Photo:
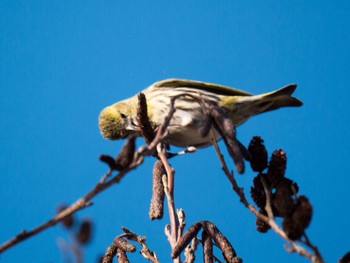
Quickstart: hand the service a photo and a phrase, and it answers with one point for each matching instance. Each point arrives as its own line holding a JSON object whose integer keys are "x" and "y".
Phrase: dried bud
{"x": 84, "y": 234}
{"x": 126, "y": 155}
{"x": 257, "y": 192}
{"x": 258, "y": 154}
{"x": 277, "y": 166}
{"x": 181, "y": 215}
{"x": 68, "y": 221}
{"x": 282, "y": 199}
{"x": 157, "y": 201}
{"x": 345, "y": 258}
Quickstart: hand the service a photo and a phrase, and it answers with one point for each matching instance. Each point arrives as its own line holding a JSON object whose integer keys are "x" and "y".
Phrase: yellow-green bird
{"x": 119, "y": 120}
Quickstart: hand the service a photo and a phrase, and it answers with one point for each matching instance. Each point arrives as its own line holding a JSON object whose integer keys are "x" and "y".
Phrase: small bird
{"x": 120, "y": 119}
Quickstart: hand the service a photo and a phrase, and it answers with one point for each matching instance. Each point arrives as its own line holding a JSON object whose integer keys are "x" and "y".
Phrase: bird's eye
{"x": 123, "y": 115}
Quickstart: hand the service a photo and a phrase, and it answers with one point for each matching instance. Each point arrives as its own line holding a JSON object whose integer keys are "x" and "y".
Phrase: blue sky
{"x": 61, "y": 62}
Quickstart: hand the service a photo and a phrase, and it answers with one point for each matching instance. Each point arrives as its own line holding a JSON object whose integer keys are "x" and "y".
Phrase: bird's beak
{"x": 132, "y": 127}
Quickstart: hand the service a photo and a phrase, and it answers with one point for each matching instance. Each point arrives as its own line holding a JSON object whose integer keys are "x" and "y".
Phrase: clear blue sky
{"x": 61, "y": 62}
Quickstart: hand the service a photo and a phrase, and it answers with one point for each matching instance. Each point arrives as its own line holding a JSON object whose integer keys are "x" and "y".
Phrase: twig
{"x": 295, "y": 247}
{"x": 103, "y": 184}
{"x": 171, "y": 230}
{"x": 169, "y": 191}
{"x": 84, "y": 201}
{"x": 78, "y": 205}
{"x": 121, "y": 245}
{"x": 145, "y": 251}
{"x": 190, "y": 249}
{"x": 239, "y": 190}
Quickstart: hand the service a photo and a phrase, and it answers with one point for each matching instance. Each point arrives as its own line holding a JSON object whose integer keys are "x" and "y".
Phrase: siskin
{"x": 119, "y": 120}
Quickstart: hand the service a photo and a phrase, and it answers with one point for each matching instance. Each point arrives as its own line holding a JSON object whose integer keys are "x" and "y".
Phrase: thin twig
{"x": 295, "y": 247}
{"x": 145, "y": 251}
{"x": 84, "y": 201}
{"x": 239, "y": 190}
{"x": 190, "y": 251}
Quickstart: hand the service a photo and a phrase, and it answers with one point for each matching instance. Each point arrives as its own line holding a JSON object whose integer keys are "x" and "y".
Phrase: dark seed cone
{"x": 303, "y": 211}
{"x": 292, "y": 230}
{"x": 257, "y": 192}
{"x": 258, "y": 154}
{"x": 84, "y": 234}
{"x": 277, "y": 166}
{"x": 261, "y": 225}
{"x": 282, "y": 199}
{"x": 295, "y": 224}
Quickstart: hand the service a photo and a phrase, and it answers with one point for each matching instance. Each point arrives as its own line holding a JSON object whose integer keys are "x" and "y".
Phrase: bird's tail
{"x": 279, "y": 98}
{"x": 243, "y": 107}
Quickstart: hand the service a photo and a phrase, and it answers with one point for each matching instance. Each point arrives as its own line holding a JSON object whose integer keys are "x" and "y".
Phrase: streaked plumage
{"x": 119, "y": 120}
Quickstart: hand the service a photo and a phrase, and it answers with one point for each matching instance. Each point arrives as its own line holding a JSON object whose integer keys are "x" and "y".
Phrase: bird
{"x": 119, "y": 120}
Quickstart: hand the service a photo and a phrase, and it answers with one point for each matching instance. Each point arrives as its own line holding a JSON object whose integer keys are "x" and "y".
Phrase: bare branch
{"x": 84, "y": 201}
{"x": 280, "y": 166}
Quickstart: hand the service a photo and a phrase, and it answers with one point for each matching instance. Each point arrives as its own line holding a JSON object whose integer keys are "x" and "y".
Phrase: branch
{"x": 102, "y": 185}
{"x": 121, "y": 245}
{"x": 239, "y": 190}
{"x": 269, "y": 219}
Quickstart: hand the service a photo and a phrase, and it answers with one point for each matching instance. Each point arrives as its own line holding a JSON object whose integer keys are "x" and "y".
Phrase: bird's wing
{"x": 199, "y": 85}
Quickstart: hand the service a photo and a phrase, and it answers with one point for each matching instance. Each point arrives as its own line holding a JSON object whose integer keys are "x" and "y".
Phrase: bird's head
{"x": 115, "y": 121}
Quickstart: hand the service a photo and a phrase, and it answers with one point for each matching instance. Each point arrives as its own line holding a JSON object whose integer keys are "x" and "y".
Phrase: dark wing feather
{"x": 193, "y": 84}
